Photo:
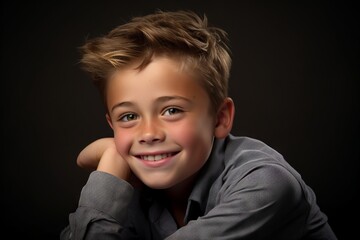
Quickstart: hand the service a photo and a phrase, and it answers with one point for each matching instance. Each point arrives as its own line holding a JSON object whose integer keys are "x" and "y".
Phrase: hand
{"x": 90, "y": 156}
{"x": 111, "y": 162}
{"x": 103, "y": 156}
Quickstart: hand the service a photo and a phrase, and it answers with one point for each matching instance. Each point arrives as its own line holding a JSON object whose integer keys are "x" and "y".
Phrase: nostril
{"x": 149, "y": 140}
{"x": 151, "y": 133}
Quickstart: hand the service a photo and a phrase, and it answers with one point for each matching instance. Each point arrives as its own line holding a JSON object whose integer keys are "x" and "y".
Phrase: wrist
{"x": 111, "y": 162}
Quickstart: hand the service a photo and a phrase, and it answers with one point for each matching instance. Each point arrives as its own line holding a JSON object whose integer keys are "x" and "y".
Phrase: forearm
{"x": 102, "y": 209}
{"x": 111, "y": 162}
{"x": 102, "y": 155}
{"x": 90, "y": 156}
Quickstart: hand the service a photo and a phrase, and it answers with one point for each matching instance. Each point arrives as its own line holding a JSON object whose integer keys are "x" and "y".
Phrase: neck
{"x": 181, "y": 191}
{"x": 177, "y": 197}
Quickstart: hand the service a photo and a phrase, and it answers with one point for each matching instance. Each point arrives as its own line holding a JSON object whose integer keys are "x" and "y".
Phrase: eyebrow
{"x": 160, "y": 100}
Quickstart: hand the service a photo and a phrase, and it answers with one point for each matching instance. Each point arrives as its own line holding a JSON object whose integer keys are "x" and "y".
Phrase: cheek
{"x": 192, "y": 134}
{"x": 123, "y": 141}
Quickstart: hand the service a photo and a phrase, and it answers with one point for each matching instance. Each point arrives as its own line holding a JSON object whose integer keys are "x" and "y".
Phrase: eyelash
{"x": 123, "y": 117}
{"x": 133, "y": 116}
{"x": 177, "y": 110}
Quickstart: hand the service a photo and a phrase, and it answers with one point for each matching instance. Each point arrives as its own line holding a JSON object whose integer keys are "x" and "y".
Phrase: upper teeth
{"x": 155, "y": 157}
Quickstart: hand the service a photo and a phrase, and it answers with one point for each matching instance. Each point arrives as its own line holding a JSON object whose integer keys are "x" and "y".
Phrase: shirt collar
{"x": 208, "y": 174}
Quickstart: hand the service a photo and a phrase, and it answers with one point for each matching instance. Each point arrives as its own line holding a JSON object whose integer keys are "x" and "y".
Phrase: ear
{"x": 108, "y": 118}
{"x": 224, "y": 118}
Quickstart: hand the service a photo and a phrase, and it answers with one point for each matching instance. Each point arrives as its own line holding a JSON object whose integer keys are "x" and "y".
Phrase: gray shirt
{"x": 246, "y": 190}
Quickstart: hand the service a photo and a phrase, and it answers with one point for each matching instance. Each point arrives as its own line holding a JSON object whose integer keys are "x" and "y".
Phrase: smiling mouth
{"x": 156, "y": 157}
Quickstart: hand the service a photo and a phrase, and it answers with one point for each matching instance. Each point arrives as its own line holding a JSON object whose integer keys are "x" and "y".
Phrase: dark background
{"x": 294, "y": 81}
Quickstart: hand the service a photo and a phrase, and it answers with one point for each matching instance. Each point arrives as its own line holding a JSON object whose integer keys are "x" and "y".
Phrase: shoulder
{"x": 248, "y": 149}
{"x": 253, "y": 165}
{"x": 244, "y": 153}
{"x": 266, "y": 180}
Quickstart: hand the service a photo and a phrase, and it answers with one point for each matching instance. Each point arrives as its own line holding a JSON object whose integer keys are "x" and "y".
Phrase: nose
{"x": 151, "y": 132}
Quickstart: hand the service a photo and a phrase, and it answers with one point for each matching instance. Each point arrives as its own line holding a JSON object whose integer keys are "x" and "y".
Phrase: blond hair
{"x": 181, "y": 34}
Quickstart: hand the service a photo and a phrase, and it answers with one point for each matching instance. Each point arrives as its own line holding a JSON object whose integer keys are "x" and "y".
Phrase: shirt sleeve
{"x": 102, "y": 209}
{"x": 259, "y": 204}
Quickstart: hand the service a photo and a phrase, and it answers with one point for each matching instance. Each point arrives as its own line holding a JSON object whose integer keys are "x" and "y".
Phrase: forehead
{"x": 162, "y": 76}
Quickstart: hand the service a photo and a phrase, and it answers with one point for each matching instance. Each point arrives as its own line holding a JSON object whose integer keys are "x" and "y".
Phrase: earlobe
{"x": 108, "y": 118}
{"x": 224, "y": 118}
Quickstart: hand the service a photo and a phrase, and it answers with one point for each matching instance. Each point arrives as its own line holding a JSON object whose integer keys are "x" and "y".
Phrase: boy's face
{"x": 162, "y": 122}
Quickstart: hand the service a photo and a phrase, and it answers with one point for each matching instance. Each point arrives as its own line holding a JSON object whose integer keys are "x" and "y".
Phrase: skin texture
{"x": 158, "y": 113}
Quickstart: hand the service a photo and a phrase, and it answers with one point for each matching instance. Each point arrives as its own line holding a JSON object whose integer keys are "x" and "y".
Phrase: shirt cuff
{"x": 108, "y": 194}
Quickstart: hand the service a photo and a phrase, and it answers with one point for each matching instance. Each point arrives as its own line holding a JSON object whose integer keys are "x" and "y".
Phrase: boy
{"x": 173, "y": 170}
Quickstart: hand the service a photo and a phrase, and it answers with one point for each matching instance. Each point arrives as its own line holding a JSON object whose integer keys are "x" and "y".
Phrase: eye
{"x": 171, "y": 111}
{"x": 128, "y": 117}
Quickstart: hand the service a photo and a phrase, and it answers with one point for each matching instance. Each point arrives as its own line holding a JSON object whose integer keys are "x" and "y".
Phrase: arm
{"x": 105, "y": 149}
{"x": 90, "y": 156}
{"x": 102, "y": 209}
{"x": 265, "y": 203}
{"x": 111, "y": 162}
{"x": 104, "y": 200}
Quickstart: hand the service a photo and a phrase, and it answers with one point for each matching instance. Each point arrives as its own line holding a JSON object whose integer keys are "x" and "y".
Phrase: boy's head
{"x": 164, "y": 80}
{"x": 180, "y": 35}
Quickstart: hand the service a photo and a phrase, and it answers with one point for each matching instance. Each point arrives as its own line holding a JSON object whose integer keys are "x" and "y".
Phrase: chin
{"x": 158, "y": 184}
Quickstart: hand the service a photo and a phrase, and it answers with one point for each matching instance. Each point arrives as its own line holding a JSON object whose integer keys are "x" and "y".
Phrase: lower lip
{"x": 159, "y": 163}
